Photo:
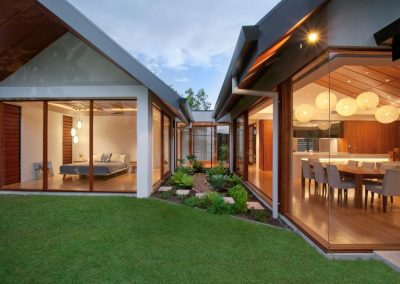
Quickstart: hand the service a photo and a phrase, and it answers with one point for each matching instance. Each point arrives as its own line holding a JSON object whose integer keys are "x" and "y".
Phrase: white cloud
{"x": 182, "y": 80}
{"x": 175, "y": 34}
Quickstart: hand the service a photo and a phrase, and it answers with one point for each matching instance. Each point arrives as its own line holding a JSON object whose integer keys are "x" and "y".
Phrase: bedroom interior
{"x": 68, "y": 122}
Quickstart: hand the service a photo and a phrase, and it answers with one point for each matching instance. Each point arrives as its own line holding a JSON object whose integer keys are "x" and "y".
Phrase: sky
{"x": 187, "y": 43}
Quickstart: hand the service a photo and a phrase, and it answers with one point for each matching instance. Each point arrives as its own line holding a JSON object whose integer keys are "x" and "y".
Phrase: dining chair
{"x": 320, "y": 177}
{"x": 389, "y": 187}
{"x": 335, "y": 181}
{"x": 368, "y": 165}
{"x": 352, "y": 163}
{"x": 307, "y": 173}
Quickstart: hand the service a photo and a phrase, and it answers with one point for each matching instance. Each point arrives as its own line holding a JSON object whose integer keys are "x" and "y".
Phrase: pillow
{"x": 105, "y": 158}
{"x": 122, "y": 158}
{"x": 115, "y": 158}
{"x": 97, "y": 157}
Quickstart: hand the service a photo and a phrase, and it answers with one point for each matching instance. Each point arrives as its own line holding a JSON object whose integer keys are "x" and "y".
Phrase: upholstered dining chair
{"x": 307, "y": 173}
{"x": 368, "y": 165}
{"x": 335, "y": 181}
{"x": 389, "y": 187}
{"x": 320, "y": 177}
{"x": 352, "y": 163}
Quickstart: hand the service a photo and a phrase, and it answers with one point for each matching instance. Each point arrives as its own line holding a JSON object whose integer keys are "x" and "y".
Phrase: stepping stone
{"x": 254, "y": 205}
{"x": 165, "y": 188}
{"x": 200, "y": 194}
{"x": 182, "y": 192}
{"x": 229, "y": 200}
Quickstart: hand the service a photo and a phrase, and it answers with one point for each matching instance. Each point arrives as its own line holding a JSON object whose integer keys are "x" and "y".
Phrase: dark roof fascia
{"x": 245, "y": 45}
{"x": 99, "y": 40}
{"x": 390, "y": 35}
{"x": 186, "y": 111}
{"x": 273, "y": 27}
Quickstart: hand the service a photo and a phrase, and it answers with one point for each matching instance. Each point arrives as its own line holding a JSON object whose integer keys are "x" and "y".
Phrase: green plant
{"x": 191, "y": 158}
{"x": 223, "y": 151}
{"x": 166, "y": 194}
{"x": 219, "y": 206}
{"x": 186, "y": 181}
{"x": 193, "y": 201}
{"x": 219, "y": 182}
{"x": 182, "y": 179}
{"x": 197, "y": 166}
{"x": 186, "y": 170}
{"x": 259, "y": 215}
{"x": 239, "y": 194}
{"x": 217, "y": 170}
{"x": 181, "y": 162}
{"x": 235, "y": 180}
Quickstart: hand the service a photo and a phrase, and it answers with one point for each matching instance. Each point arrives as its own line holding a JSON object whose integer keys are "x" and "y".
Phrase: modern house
{"x": 313, "y": 92}
{"x": 313, "y": 84}
{"x": 78, "y": 113}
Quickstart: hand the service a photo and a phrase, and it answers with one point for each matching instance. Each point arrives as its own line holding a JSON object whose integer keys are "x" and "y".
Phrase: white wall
{"x": 115, "y": 134}
{"x": 31, "y": 139}
{"x": 55, "y": 140}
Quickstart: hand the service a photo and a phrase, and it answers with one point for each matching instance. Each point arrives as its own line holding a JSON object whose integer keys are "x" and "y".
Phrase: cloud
{"x": 175, "y": 34}
{"x": 182, "y": 80}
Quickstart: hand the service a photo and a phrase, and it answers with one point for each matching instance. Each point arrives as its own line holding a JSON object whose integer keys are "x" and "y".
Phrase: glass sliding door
{"x": 68, "y": 145}
{"x": 156, "y": 145}
{"x": 239, "y": 145}
{"x": 22, "y": 147}
{"x": 114, "y": 145}
{"x": 223, "y": 144}
{"x": 166, "y": 144}
{"x": 203, "y": 144}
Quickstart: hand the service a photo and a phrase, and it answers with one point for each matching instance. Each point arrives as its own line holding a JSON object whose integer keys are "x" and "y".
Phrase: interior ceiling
{"x": 353, "y": 80}
{"x": 97, "y": 105}
{"x": 25, "y": 29}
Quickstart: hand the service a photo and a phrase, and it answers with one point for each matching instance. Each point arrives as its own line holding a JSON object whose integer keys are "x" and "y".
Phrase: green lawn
{"x": 121, "y": 239}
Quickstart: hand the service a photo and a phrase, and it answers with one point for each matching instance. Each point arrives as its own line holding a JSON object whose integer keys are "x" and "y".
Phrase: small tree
{"x": 198, "y": 101}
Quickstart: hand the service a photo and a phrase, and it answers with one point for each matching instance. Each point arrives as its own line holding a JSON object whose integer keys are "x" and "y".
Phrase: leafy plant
{"x": 259, "y": 215}
{"x": 197, "y": 166}
{"x": 166, "y": 194}
{"x": 181, "y": 179}
{"x": 235, "y": 180}
{"x": 239, "y": 194}
{"x": 219, "y": 206}
{"x": 223, "y": 151}
{"x": 219, "y": 182}
{"x": 186, "y": 181}
{"x": 186, "y": 170}
{"x": 181, "y": 162}
{"x": 217, "y": 170}
{"x": 191, "y": 158}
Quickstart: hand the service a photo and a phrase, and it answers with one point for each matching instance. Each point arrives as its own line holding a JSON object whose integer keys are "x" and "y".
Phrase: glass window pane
{"x": 114, "y": 146}
{"x": 167, "y": 144}
{"x": 156, "y": 129}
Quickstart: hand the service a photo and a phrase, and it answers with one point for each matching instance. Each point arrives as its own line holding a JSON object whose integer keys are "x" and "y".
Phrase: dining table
{"x": 359, "y": 175}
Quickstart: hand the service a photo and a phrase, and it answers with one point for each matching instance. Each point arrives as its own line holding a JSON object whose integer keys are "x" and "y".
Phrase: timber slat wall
{"x": 67, "y": 139}
{"x": 11, "y": 121}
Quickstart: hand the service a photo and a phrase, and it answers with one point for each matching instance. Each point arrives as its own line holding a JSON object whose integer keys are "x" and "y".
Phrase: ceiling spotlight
{"x": 348, "y": 81}
{"x": 387, "y": 80}
{"x": 312, "y": 37}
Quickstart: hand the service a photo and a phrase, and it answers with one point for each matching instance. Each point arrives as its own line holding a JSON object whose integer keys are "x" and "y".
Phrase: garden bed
{"x": 217, "y": 191}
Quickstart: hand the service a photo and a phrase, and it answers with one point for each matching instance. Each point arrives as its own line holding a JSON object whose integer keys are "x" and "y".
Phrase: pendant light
{"x": 79, "y": 123}
{"x": 387, "y": 114}
{"x": 326, "y": 100}
{"x": 73, "y": 131}
{"x": 346, "y": 107}
{"x": 76, "y": 139}
{"x": 304, "y": 112}
{"x": 367, "y": 100}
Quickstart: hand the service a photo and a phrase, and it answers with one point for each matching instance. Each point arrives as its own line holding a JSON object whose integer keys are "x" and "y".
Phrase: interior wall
{"x": 369, "y": 137}
{"x": 55, "y": 143}
{"x": 111, "y": 134}
{"x": 31, "y": 140}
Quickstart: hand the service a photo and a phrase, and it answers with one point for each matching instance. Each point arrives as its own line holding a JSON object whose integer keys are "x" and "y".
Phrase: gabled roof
{"x": 257, "y": 45}
{"x": 27, "y": 27}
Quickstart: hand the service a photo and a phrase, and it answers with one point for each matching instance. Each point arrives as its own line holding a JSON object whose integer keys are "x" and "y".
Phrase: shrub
{"x": 219, "y": 182}
{"x": 239, "y": 194}
{"x": 182, "y": 179}
{"x": 166, "y": 194}
{"x": 192, "y": 201}
{"x": 187, "y": 181}
{"x": 191, "y": 158}
{"x": 235, "y": 180}
{"x": 197, "y": 166}
{"x": 217, "y": 170}
{"x": 212, "y": 201}
{"x": 259, "y": 215}
{"x": 186, "y": 170}
{"x": 219, "y": 206}
{"x": 181, "y": 162}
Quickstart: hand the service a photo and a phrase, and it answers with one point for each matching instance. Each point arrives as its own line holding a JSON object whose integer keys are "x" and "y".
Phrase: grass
{"x": 120, "y": 239}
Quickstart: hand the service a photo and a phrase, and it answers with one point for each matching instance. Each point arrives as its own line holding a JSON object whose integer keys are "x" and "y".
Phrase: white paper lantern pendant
{"x": 304, "y": 113}
{"x": 367, "y": 100}
{"x": 326, "y": 100}
{"x": 346, "y": 107}
{"x": 387, "y": 114}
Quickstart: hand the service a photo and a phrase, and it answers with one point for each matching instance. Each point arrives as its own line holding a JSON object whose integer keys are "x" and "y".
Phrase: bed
{"x": 99, "y": 168}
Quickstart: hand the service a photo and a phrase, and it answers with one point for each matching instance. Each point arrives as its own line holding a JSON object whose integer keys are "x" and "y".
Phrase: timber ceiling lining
{"x": 353, "y": 80}
{"x": 25, "y": 29}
